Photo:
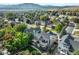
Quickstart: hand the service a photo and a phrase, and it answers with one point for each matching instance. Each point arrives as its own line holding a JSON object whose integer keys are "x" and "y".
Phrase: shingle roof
{"x": 69, "y": 29}
{"x": 75, "y": 45}
{"x": 65, "y": 42}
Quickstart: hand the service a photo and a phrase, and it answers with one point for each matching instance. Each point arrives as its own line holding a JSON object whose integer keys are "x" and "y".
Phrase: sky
{"x": 42, "y": 2}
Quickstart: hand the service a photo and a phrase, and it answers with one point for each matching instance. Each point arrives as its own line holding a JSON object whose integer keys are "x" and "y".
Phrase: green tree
{"x": 20, "y": 27}
{"x": 43, "y": 17}
{"x": 20, "y": 41}
{"x": 58, "y": 27}
{"x": 76, "y": 52}
{"x": 10, "y": 16}
{"x": 54, "y": 21}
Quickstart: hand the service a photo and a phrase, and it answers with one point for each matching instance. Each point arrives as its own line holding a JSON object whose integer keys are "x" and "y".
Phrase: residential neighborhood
{"x": 39, "y": 32}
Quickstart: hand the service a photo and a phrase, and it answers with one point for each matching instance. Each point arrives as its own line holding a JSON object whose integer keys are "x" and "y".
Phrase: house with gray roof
{"x": 64, "y": 44}
{"x": 70, "y": 28}
{"x": 44, "y": 41}
{"x": 75, "y": 45}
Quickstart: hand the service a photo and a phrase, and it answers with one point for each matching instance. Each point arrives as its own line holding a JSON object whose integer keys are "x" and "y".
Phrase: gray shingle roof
{"x": 69, "y": 29}
{"x": 65, "y": 43}
{"x": 75, "y": 45}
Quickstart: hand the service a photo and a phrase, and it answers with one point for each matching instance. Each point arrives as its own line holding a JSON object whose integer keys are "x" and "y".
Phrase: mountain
{"x": 21, "y": 6}
{"x": 27, "y": 6}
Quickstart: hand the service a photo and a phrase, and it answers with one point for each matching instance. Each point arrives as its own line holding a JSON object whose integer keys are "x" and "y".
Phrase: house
{"x": 44, "y": 40}
{"x": 52, "y": 26}
{"x": 75, "y": 45}
{"x": 70, "y": 28}
{"x": 62, "y": 18}
{"x": 37, "y": 22}
{"x": 64, "y": 44}
{"x": 53, "y": 38}
{"x": 27, "y": 20}
{"x": 43, "y": 23}
{"x": 75, "y": 33}
{"x": 34, "y": 31}
{"x": 5, "y": 20}
{"x": 16, "y": 20}
{"x": 46, "y": 22}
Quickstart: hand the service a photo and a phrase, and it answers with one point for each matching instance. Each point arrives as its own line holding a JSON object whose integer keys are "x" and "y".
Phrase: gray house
{"x": 64, "y": 44}
{"x": 44, "y": 41}
{"x": 70, "y": 28}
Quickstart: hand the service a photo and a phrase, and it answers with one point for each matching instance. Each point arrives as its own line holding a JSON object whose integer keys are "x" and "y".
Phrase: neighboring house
{"x": 34, "y": 31}
{"x": 75, "y": 45}
{"x": 61, "y": 18}
{"x": 46, "y": 22}
{"x": 53, "y": 38}
{"x": 44, "y": 40}
{"x": 13, "y": 22}
{"x": 70, "y": 28}
{"x": 27, "y": 20}
{"x": 37, "y": 22}
{"x": 52, "y": 26}
{"x": 16, "y": 20}
{"x": 6, "y": 20}
{"x": 43, "y": 23}
{"x": 75, "y": 33}
{"x": 64, "y": 44}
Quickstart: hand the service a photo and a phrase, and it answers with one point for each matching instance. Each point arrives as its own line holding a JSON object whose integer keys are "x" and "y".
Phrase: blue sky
{"x": 42, "y": 2}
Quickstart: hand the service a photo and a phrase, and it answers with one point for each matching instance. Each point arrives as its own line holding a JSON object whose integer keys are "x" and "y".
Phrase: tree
{"x": 10, "y": 16}
{"x": 7, "y": 33}
{"x": 1, "y": 35}
{"x": 76, "y": 52}
{"x": 20, "y": 27}
{"x": 43, "y": 17}
{"x": 19, "y": 42}
{"x": 58, "y": 27}
{"x": 54, "y": 21}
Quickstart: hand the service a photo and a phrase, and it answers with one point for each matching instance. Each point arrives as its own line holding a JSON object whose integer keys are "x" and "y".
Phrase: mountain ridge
{"x": 31, "y": 6}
